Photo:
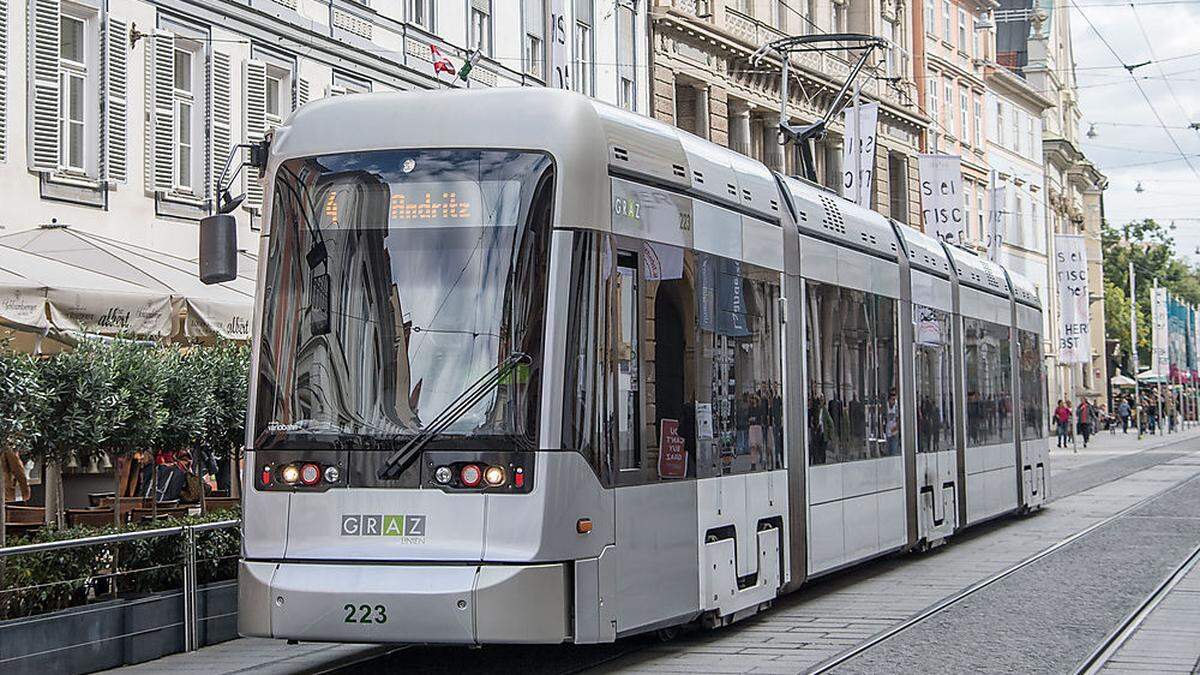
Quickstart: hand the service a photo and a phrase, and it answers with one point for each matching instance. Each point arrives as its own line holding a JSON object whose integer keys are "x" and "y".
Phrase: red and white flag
{"x": 441, "y": 62}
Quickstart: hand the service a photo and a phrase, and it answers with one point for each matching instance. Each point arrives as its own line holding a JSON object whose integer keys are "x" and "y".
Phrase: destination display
{"x": 421, "y": 204}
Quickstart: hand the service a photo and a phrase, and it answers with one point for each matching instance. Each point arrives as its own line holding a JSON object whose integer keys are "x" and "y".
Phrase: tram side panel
{"x": 856, "y": 484}
{"x": 1033, "y": 407}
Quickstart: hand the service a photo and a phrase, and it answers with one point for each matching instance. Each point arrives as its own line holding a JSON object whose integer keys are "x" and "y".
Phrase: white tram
{"x": 530, "y": 368}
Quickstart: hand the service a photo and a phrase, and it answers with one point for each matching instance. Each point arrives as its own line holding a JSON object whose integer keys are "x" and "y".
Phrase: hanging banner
{"x": 1194, "y": 362}
{"x": 1176, "y": 340}
{"x": 942, "y": 205}
{"x": 1158, "y": 332}
{"x": 560, "y": 51}
{"x": 1070, "y": 267}
{"x": 998, "y": 199}
{"x": 858, "y": 153}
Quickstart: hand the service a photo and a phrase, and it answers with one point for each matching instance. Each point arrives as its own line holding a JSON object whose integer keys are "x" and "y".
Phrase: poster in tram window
{"x": 942, "y": 204}
{"x": 1070, "y": 267}
{"x": 928, "y": 326}
{"x": 672, "y": 457}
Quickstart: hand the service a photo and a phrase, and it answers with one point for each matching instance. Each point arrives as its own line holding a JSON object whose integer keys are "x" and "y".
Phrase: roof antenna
{"x": 806, "y": 134}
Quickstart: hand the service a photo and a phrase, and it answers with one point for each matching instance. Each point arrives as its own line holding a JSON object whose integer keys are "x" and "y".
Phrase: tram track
{"x": 946, "y": 603}
{"x": 1112, "y": 643}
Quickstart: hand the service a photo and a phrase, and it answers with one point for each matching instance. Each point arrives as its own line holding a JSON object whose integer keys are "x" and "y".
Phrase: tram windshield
{"x": 394, "y": 281}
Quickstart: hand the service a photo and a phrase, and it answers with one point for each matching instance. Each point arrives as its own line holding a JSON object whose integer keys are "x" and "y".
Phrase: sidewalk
{"x": 260, "y": 656}
{"x": 1168, "y": 641}
{"x": 1106, "y": 445}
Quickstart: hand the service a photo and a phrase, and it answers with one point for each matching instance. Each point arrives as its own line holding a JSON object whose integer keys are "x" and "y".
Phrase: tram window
{"x": 1033, "y": 386}
{"x": 987, "y": 353}
{"x": 741, "y": 418}
{"x": 628, "y": 400}
{"x": 586, "y": 363}
{"x": 851, "y": 347}
{"x": 932, "y": 360}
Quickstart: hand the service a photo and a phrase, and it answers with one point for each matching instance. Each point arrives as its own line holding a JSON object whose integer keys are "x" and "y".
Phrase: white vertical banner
{"x": 998, "y": 199}
{"x": 858, "y": 152}
{"x": 1158, "y": 331}
{"x": 942, "y": 199}
{"x": 560, "y": 48}
{"x": 1070, "y": 267}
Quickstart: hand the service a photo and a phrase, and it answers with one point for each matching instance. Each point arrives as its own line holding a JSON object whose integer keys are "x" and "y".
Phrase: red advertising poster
{"x": 672, "y": 458}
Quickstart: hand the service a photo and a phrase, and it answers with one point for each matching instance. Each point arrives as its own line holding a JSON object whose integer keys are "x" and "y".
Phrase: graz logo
{"x": 410, "y": 527}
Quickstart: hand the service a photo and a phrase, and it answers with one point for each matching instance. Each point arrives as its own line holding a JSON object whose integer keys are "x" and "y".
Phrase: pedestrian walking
{"x": 1062, "y": 420}
{"x": 1085, "y": 415}
{"x": 1123, "y": 412}
{"x": 1171, "y": 411}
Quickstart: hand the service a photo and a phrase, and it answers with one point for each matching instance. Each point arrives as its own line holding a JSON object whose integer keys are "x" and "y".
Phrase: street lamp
{"x": 1139, "y": 189}
{"x": 1091, "y": 132}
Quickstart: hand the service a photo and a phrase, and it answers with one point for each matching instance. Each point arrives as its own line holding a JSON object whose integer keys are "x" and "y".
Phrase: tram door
{"x": 933, "y": 365}
{"x": 657, "y": 549}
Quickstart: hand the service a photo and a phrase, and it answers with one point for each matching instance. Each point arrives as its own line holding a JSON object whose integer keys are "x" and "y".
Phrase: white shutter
{"x": 3, "y": 80}
{"x": 116, "y": 61}
{"x": 43, "y": 84}
{"x": 301, "y": 92}
{"x": 255, "y": 77}
{"x": 160, "y": 112}
{"x": 333, "y": 90}
{"x": 220, "y": 118}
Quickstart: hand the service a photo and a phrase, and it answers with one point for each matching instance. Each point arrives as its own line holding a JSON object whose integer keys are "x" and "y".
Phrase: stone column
{"x": 739, "y": 130}
{"x": 772, "y": 150}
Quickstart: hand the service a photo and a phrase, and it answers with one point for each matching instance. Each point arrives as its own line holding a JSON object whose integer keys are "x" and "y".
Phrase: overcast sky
{"x": 1108, "y": 94}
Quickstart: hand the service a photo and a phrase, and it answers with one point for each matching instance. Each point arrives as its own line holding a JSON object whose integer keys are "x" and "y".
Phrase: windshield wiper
{"x": 403, "y": 458}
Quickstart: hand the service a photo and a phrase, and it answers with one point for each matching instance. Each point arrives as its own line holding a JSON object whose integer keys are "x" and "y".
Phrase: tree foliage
{"x": 1151, "y": 248}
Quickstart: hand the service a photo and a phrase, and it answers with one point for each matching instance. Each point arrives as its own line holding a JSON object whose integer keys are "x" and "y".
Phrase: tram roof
{"x": 979, "y": 272}
{"x": 1024, "y": 290}
{"x": 924, "y": 252}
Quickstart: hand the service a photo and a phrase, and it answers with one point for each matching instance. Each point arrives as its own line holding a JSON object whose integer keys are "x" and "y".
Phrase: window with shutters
{"x": 73, "y": 93}
{"x": 584, "y": 46}
{"x": 348, "y": 84}
{"x": 978, "y": 122}
{"x": 963, "y": 43}
{"x": 188, "y": 80}
{"x": 534, "y": 43}
{"x": 420, "y": 12}
{"x": 481, "y": 26}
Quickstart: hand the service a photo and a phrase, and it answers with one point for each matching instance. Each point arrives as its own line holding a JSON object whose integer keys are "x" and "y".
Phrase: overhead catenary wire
{"x": 1158, "y": 64}
{"x": 1140, "y": 88}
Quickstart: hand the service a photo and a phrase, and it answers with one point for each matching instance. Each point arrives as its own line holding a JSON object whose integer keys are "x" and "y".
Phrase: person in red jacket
{"x": 1062, "y": 420}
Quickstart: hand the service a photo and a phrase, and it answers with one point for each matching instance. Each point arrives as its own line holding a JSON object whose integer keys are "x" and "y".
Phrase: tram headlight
{"x": 494, "y": 475}
{"x": 470, "y": 475}
{"x": 332, "y": 474}
{"x": 443, "y": 475}
{"x": 290, "y": 474}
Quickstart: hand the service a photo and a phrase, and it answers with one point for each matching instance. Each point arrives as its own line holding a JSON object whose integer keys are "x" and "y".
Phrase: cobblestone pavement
{"x": 1168, "y": 641}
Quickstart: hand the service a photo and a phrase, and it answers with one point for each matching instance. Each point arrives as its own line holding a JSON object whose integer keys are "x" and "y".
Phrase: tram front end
{"x": 399, "y": 485}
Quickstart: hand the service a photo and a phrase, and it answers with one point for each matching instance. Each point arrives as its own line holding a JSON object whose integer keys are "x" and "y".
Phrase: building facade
{"x": 1034, "y": 40}
{"x": 705, "y": 83}
{"x": 130, "y": 107}
{"x": 956, "y": 45}
{"x": 1018, "y": 199}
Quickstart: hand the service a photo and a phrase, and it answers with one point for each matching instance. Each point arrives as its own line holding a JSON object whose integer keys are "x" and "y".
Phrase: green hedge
{"x": 36, "y": 583}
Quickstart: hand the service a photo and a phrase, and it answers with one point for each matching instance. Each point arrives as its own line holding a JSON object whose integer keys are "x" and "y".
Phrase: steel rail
{"x": 1121, "y": 634}
{"x": 839, "y": 659}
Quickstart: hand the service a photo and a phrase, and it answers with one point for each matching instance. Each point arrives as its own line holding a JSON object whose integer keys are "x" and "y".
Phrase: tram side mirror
{"x": 218, "y": 248}
{"x": 318, "y": 309}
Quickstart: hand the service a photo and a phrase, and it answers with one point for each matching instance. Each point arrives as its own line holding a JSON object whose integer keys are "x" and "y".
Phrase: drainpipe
{"x": 919, "y": 70}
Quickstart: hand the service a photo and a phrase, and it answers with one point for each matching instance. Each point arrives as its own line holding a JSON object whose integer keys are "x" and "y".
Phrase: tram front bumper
{"x": 377, "y": 603}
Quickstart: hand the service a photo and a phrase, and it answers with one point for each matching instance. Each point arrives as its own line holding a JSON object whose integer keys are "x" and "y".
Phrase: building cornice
{"x": 1009, "y": 83}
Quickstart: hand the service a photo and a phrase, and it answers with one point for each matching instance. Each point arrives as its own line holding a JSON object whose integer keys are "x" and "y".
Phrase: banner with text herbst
{"x": 1070, "y": 267}
{"x": 942, "y": 205}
